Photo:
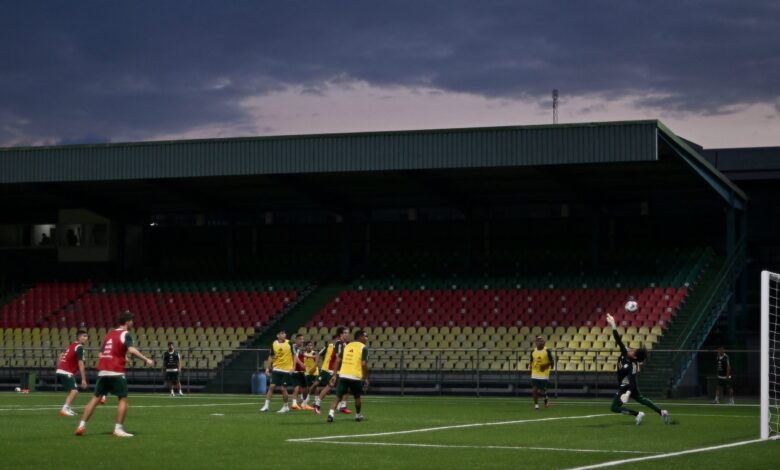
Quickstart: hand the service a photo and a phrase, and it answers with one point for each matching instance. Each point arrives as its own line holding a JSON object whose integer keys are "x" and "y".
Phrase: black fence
{"x": 395, "y": 371}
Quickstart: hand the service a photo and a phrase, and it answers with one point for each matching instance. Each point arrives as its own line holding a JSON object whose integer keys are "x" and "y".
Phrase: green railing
{"x": 716, "y": 301}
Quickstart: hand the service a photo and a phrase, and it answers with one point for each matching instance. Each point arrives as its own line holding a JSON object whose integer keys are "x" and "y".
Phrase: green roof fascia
{"x": 331, "y": 134}
{"x": 730, "y": 192}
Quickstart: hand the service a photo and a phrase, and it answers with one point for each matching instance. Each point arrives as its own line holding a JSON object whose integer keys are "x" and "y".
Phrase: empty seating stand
{"x": 206, "y": 319}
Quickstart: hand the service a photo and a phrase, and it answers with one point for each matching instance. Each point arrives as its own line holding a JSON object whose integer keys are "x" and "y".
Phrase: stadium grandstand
{"x": 452, "y": 248}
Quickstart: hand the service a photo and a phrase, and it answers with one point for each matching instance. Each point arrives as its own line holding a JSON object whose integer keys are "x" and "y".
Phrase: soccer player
{"x": 542, "y": 362}
{"x": 111, "y": 373}
{"x": 326, "y": 356}
{"x": 330, "y": 366}
{"x": 628, "y": 365}
{"x": 353, "y": 374}
{"x": 311, "y": 362}
{"x": 281, "y": 362}
{"x": 172, "y": 366}
{"x": 72, "y": 361}
{"x": 323, "y": 378}
{"x": 724, "y": 376}
{"x": 299, "y": 372}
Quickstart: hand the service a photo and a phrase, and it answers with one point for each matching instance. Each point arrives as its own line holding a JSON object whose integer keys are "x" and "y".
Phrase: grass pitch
{"x": 227, "y": 431}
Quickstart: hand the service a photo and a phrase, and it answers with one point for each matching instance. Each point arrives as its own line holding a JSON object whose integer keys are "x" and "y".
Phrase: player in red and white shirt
{"x": 71, "y": 362}
{"x": 111, "y": 373}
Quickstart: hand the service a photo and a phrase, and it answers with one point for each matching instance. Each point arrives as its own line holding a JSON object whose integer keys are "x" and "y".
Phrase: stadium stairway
{"x": 667, "y": 365}
{"x": 235, "y": 374}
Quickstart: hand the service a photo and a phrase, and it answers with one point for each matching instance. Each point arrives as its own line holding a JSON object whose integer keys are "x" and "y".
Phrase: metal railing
{"x": 717, "y": 299}
{"x": 475, "y": 371}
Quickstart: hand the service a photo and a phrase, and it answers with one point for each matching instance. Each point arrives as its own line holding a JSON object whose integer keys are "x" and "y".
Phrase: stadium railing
{"x": 468, "y": 371}
{"x": 717, "y": 300}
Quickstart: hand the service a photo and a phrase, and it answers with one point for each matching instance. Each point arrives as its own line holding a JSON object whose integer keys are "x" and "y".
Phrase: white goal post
{"x": 770, "y": 360}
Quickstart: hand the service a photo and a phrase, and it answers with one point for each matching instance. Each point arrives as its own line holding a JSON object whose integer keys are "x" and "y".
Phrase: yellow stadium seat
{"x": 525, "y": 331}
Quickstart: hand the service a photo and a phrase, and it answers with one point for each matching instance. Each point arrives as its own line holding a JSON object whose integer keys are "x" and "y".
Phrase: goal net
{"x": 770, "y": 357}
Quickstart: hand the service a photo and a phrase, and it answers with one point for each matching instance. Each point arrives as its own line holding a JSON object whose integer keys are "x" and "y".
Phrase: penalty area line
{"x": 444, "y": 428}
{"x": 193, "y": 405}
{"x": 615, "y": 463}
{"x": 493, "y": 447}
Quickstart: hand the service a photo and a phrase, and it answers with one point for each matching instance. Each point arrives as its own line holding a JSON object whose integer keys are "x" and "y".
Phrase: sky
{"x": 114, "y": 71}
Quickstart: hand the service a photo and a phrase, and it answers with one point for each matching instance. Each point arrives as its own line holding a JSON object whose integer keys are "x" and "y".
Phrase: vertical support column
{"x": 346, "y": 246}
{"x": 594, "y": 237}
{"x": 743, "y": 278}
{"x": 731, "y": 232}
{"x": 230, "y": 249}
{"x": 486, "y": 239}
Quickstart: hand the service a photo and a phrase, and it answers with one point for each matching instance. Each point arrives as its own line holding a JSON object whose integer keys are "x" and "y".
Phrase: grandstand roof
{"x": 292, "y": 170}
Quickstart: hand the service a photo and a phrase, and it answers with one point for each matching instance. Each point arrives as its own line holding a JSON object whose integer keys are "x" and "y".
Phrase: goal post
{"x": 770, "y": 362}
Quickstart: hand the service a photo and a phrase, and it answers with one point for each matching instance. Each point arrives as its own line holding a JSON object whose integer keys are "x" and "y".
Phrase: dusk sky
{"x": 109, "y": 71}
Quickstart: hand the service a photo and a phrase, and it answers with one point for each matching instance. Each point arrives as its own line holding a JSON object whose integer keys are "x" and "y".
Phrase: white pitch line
{"x": 444, "y": 428}
{"x": 454, "y": 446}
{"x": 593, "y": 402}
{"x": 713, "y": 416}
{"x": 614, "y": 463}
{"x": 139, "y": 406}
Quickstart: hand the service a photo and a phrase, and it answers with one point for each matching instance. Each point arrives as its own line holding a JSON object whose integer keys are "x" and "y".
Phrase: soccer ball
{"x": 631, "y": 306}
{"x": 17, "y": 389}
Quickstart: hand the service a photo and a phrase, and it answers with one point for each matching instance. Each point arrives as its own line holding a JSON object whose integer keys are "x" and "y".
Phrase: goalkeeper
{"x": 628, "y": 364}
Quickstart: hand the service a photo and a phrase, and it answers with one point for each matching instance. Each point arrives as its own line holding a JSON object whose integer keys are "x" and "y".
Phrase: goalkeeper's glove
{"x": 610, "y": 320}
{"x": 624, "y": 397}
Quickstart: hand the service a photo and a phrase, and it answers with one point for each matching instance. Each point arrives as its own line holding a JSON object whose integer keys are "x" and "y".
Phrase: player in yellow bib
{"x": 311, "y": 361}
{"x": 279, "y": 369}
{"x": 353, "y": 374}
{"x": 542, "y": 363}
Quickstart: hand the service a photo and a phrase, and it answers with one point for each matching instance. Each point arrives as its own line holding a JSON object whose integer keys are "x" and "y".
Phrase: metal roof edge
{"x": 701, "y": 160}
{"x": 329, "y": 135}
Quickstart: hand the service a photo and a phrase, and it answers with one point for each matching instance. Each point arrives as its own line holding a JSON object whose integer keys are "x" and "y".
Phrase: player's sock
{"x": 331, "y": 413}
{"x": 305, "y": 400}
{"x": 536, "y": 406}
{"x": 118, "y": 428}
{"x": 317, "y": 401}
{"x": 82, "y": 424}
{"x": 648, "y": 403}
{"x": 342, "y": 404}
{"x": 295, "y": 402}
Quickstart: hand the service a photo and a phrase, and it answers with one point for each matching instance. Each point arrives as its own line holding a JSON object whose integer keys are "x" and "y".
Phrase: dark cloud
{"x": 131, "y": 70}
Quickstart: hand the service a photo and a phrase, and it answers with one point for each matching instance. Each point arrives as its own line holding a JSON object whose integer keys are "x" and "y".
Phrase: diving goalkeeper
{"x": 628, "y": 364}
